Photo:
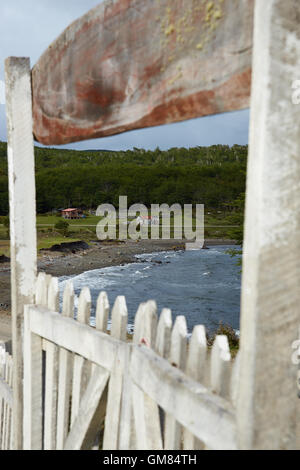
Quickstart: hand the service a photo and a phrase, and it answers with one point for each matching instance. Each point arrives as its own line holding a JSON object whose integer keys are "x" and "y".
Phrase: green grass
{"x": 52, "y": 220}
{"x": 217, "y": 225}
{"x": 45, "y": 243}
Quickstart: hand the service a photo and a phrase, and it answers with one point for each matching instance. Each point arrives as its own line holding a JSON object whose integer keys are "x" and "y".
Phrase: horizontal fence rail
{"x": 89, "y": 388}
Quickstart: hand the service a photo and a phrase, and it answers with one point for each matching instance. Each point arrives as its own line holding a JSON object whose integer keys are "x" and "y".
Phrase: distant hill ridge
{"x": 214, "y": 176}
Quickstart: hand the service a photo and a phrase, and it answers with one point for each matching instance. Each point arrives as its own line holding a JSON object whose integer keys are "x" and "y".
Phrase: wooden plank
{"x": 65, "y": 374}
{"x": 164, "y": 331}
{"x": 102, "y": 312}
{"x": 80, "y": 372}
{"x": 90, "y": 412}
{"x": 51, "y": 380}
{"x": 33, "y": 436}
{"x": 130, "y": 64}
{"x": 145, "y": 411}
{"x": 93, "y": 345}
{"x": 126, "y": 431}
{"x": 235, "y": 379}
{"x": 114, "y": 401}
{"x": 22, "y": 216}
{"x": 173, "y": 430}
{"x": 119, "y": 317}
{"x": 7, "y": 441}
{"x": 207, "y": 416}
{"x": 195, "y": 368}
{"x": 147, "y": 425}
{"x": 220, "y": 371}
{"x": 6, "y": 393}
{"x": 268, "y": 406}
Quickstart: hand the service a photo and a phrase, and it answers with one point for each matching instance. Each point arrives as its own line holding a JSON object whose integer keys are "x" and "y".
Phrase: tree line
{"x": 214, "y": 176}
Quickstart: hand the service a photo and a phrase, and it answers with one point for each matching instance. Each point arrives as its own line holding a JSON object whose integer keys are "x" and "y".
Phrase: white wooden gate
{"x": 267, "y": 410}
{"x": 145, "y": 394}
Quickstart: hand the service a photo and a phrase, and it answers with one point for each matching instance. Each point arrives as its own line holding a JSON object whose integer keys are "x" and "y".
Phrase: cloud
{"x": 2, "y": 92}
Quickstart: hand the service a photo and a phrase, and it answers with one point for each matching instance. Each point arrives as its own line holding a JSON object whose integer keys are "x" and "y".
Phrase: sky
{"x": 27, "y": 27}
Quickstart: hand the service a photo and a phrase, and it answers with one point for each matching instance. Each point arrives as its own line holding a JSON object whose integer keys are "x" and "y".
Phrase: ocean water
{"x": 203, "y": 285}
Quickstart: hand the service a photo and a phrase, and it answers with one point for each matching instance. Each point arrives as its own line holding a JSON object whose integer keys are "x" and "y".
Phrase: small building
{"x": 72, "y": 213}
{"x": 147, "y": 220}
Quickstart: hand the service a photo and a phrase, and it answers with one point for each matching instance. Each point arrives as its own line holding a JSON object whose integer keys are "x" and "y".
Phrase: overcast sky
{"x": 29, "y": 26}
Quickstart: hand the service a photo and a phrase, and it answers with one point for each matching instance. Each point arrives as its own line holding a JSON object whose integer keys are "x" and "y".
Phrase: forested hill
{"x": 213, "y": 175}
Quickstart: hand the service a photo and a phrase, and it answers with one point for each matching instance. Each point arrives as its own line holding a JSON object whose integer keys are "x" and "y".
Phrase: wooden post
{"x": 268, "y": 407}
{"x": 20, "y": 151}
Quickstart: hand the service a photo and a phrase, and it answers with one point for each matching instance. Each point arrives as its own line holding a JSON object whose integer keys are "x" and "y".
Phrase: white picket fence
{"x": 6, "y": 399}
{"x": 88, "y": 388}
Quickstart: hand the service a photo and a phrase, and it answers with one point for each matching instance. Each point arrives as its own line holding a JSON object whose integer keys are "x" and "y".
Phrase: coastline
{"x": 100, "y": 255}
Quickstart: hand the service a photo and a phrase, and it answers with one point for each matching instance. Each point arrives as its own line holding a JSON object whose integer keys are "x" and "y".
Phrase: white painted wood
{"x": 6, "y": 408}
{"x": 80, "y": 372}
{"x": 23, "y": 253}
{"x": 163, "y": 336}
{"x": 51, "y": 389}
{"x": 209, "y": 417}
{"x": 53, "y": 295}
{"x": 7, "y": 442}
{"x": 146, "y": 414}
{"x": 268, "y": 406}
{"x": 147, "y": 423}
{"x": 126, "y": 427}
{"x": 5, "y": 393}
{"x": 235, "y": 379}
{"x": 51, "y": 379}
{"x": 41, "y": 290}
{"x": 119, "y": 317}
{"x": 145, "y": 324}
{"x": 65, "y": 374}
{"x": 220, "y": 372}
{"x": 88, "y": 419}
{"x": 102, "y": 312}
{"x": 87, "y": 342}
{"x": 113, "y": 411}
{"x": 173, "y": 430}
{"x": 138, "y": 323}
{"x": 195, "y": 369}
{"x": 32, "y": 386}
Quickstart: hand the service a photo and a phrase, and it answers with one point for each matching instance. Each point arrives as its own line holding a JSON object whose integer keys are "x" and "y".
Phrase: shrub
{"x": 63, "y": 227}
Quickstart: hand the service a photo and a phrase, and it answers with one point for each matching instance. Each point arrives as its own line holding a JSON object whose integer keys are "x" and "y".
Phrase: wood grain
{"x": 130, "y": 64}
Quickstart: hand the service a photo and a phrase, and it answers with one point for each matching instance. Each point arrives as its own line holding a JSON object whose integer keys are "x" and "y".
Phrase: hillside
{"x": 213, "y": 175}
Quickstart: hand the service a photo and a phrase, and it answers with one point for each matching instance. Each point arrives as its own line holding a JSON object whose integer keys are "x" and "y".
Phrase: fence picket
{"x": 235, "y": 376}
{"x": 81, "y": 369}
{"x": 65, "y": 374}
{"x": 51, "y": 380}
{"x": 114, "y": 400}
{"x": 195, "y": 368}
{"x": 177, "y": 358}
{"x": 102, "y": 312}
{"x": 220, "y": 366}
{"x": 164, "y": 331}
{"x": 145, "y": 410}
{"x": 41, "y": 290}
{"x": 32, "y": 386}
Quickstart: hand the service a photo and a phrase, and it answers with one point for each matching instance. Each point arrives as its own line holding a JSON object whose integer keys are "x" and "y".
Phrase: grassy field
{"x": 217, "y": 225}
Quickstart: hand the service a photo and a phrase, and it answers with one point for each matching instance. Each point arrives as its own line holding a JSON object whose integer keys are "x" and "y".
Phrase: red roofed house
{"x": 71, "y": 213}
